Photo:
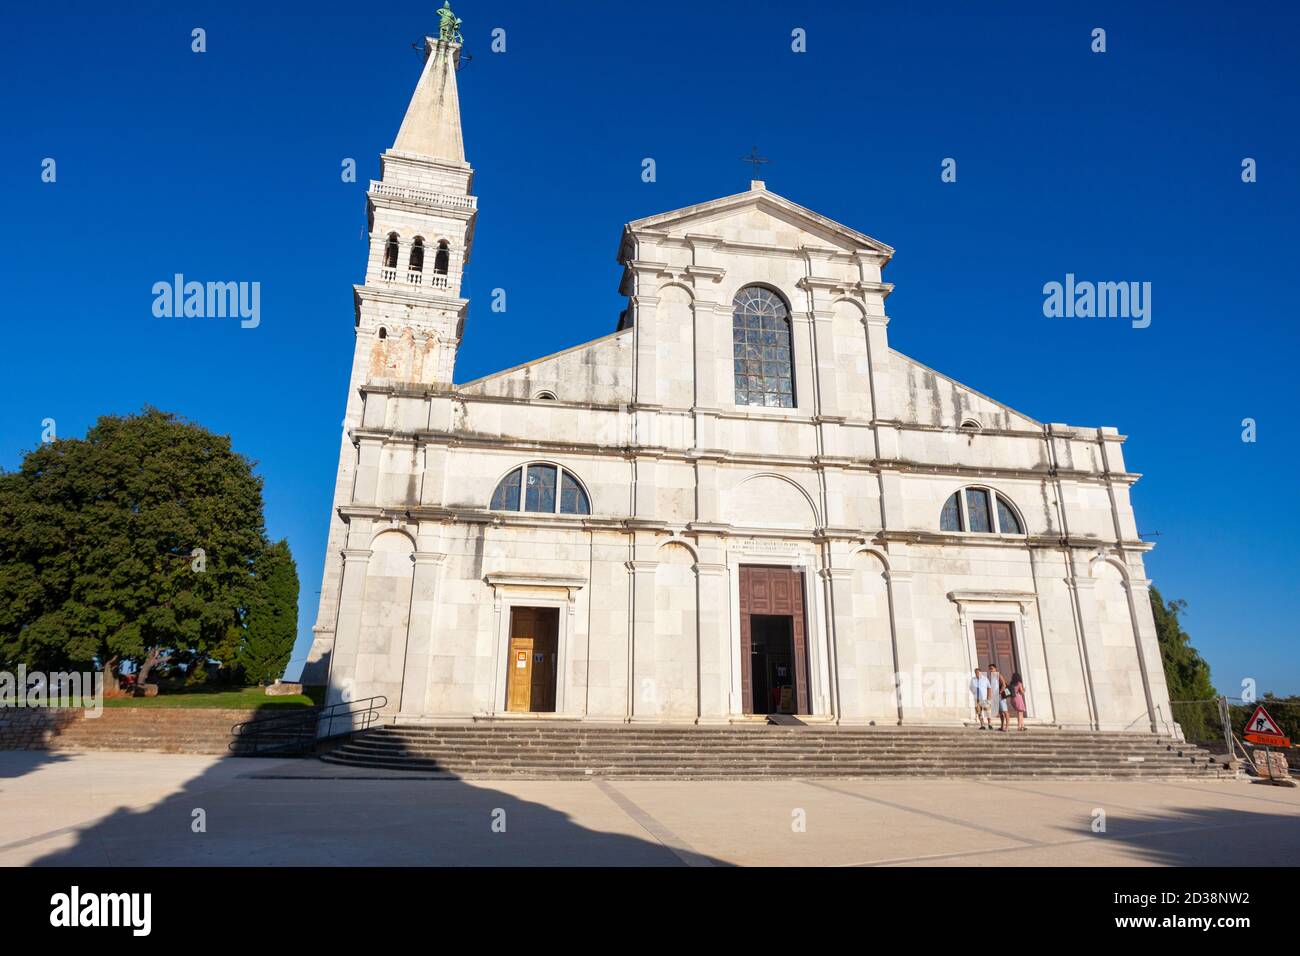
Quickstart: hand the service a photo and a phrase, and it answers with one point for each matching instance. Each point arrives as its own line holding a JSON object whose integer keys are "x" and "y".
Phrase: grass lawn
{"x": 233, "y": 698}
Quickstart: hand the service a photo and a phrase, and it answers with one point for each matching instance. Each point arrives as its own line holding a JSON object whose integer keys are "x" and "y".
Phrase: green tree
{"x": 126, "y": 545}
{"x": 272, "y": 624}
{"x": 1186, "y": 673}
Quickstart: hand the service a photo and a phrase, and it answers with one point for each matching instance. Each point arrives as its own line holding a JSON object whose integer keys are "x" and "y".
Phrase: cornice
{"x": 398, "y": 295}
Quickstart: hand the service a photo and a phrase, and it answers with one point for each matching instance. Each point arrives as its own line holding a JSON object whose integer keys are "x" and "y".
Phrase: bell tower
{"x": 410, "y": 313}
{"x": 409, "y": 310}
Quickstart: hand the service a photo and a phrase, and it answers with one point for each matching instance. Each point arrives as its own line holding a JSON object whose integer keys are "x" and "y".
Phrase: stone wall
{"x": 152, "y": 729}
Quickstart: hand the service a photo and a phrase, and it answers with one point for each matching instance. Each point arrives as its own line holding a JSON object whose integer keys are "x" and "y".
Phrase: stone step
{"x": 768, "y": 752}
{"x": 991, "y": 744}
{"x": 678, "y": 772}
{"x": 882, "y": 754}
{"x": 672, "y": 761}
{"x": 362, "y": 749}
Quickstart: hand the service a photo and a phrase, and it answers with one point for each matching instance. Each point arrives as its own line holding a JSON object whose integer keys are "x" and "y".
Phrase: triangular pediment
{"x": 760, "y": 217}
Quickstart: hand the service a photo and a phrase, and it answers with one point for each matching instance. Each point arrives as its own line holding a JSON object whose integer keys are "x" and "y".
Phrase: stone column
{"x": 641, "y": 689}
{"x": 347, "y": 629}
{"x": 1148, "y": 648}
{"x": 646, "y": 386}
{"x": 828, "y": 399}
{"x": 906, "y": 658}
{"x": 1090, "y": 649}
{"x": 714, "y": 623}
{"x": 421, "y": 643}
{"x": 846, "y": 677}
{"x": 365, "y": 489}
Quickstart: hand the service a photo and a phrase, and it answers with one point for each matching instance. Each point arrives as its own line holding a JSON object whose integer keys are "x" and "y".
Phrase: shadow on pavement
{"x": 261, "y": 812}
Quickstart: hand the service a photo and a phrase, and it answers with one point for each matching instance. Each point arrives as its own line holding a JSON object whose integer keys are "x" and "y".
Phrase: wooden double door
{"x": 531, "y": 663}
{"x": 773, "y": 641}
{"x": 995, "y": 643}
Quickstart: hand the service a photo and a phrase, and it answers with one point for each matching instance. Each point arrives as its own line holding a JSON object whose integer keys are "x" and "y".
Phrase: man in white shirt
{"x": 979, "y": 688}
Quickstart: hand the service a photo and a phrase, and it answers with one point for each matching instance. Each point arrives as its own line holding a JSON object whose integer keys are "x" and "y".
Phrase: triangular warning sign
{"x": 1261, "y": 723}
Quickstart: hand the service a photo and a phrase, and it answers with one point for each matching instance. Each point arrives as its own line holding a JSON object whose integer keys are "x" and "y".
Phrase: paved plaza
{"x": 123, "y": 809}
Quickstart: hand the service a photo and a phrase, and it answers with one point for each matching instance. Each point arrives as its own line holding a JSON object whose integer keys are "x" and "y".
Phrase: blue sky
{"x": 1117, "y": 166}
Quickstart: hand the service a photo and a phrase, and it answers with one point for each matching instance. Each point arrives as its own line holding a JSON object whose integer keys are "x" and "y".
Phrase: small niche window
{"x": 442, "y": 258}
{"x": 390, "y": 251}
{"x": 417, "y": 255}
{"x": 981, "y": 511}
{"x": 545, "y": 396}
{"x": 541, "y": 488}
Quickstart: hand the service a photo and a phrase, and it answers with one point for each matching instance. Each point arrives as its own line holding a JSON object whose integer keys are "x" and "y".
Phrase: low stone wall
{"x": 154, "y": 729}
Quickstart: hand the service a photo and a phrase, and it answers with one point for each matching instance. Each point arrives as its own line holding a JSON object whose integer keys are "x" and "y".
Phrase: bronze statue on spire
{"x": 449, "y": 24}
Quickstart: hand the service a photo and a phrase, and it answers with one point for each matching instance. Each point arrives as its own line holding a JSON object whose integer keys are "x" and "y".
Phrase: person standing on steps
{"x": 979, "y": 688}
{"x": 1017, "y": 688}
{"x": 999, "y": 692}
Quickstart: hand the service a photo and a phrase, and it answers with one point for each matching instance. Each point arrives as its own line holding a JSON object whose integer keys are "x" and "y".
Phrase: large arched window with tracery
{"x": 760, "y": 338}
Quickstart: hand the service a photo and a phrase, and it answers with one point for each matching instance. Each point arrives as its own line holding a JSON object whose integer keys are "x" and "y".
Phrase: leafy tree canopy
{"x": 1186, "y": 672}
{"x": 138, "y": 540}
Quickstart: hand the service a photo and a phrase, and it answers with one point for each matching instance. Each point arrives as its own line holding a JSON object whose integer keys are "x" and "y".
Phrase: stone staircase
{"x": 584, "y": 751}
{"x": 142, "y": 729}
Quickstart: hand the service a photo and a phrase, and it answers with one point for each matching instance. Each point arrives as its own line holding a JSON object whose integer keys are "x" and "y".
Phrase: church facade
{"x": 740, "y": 502}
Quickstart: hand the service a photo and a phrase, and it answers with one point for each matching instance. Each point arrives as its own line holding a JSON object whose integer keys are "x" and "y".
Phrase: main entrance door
{"x": 773, "y": 642}
{"x": 530, "y": 680}
{"x": 995, "y": 643}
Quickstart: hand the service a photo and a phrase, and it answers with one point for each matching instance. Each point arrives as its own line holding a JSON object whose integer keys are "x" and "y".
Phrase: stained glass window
{"x": 977, "y": 510}
{"x": 573, "y": 500}
{"x": 533, "y": 488}
{"x": 506, "y": 497}
{"x": 950, "y": 519}
{"x": 761, "y": 349}
{"x": 540, "y": 489}
{"x": 976, "y": 516}
{"x": 1007, "y": 522}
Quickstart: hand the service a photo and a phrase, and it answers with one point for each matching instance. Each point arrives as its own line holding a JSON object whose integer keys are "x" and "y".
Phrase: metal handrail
{"x": 303, "y": 727}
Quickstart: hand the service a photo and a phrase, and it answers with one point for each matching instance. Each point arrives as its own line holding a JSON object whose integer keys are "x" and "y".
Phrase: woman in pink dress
{"x": 1017, "y": 688}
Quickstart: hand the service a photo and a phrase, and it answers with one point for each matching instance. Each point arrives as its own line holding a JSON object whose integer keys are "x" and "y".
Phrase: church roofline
{"x": 976, "y": 392}
{"x": 757, "y": 195}
{"x": 543, "y": 358}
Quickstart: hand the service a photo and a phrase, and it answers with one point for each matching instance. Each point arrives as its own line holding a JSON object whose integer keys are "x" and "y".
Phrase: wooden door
{"x": 995, "y": 643}
{"x": 531, "y": 662}
{"x": 776, "y": 591}
{"x": 519, "y": 684}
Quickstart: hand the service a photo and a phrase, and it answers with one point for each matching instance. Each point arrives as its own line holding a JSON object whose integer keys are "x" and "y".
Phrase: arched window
{"x": 417, "y": 255}
{"x": 534, "y": 487}
{"x": 970, "y": 510}
{"x": 390, "y": 251}
{"x": 760, "y": 338}
{"x": 545, "y": 396}
{"x": 441, "y": 258}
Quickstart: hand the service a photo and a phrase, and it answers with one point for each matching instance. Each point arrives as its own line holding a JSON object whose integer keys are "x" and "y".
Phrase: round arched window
{"x": 760, "y": 338}
{"x": 542, "y": 487}
{"x": 969, "y": 510}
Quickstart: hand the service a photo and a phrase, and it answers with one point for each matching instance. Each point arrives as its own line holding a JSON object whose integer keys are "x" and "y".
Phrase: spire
{"x": 431, "y": 127}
